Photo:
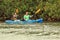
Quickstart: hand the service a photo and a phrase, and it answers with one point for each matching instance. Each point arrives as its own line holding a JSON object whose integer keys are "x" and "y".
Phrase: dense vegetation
{"x": 49, "y": 9}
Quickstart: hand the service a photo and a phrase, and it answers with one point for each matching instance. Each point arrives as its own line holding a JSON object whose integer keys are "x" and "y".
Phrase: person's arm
{"x": 31, "y": 15}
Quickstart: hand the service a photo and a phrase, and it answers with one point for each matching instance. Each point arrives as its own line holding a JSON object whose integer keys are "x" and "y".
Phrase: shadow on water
{"x": 8, "y": 32}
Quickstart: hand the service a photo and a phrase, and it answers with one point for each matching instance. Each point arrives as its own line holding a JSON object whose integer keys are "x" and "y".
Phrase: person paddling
{"x": 15, "y": 16}
{"x": 27, "y": 16}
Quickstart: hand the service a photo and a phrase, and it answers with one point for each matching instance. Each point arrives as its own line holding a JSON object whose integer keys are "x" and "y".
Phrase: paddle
{"x": 37, "y": 11}
{"x": 35, "y": 14}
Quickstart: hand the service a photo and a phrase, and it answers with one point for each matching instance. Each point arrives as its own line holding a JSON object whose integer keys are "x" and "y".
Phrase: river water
{"x": 41, "y": 31}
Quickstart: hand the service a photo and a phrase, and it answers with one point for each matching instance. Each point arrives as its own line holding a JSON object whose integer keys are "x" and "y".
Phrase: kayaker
{"x": 15, "y": 16}
{"x": 27, "y": 16}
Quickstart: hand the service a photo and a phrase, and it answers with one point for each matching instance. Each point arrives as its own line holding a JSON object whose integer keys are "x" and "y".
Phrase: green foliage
{"x": 52, "y": 7}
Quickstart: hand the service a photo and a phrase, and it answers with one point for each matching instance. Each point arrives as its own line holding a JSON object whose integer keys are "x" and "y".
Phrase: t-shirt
{"x": 26, "y": 17}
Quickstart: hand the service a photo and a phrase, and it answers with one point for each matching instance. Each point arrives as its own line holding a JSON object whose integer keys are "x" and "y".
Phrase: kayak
{"x": 24, "y": 22}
